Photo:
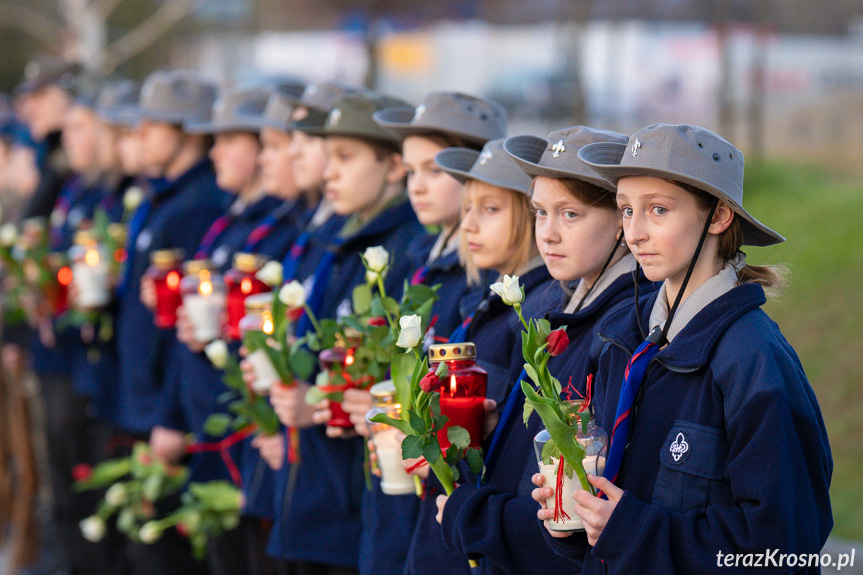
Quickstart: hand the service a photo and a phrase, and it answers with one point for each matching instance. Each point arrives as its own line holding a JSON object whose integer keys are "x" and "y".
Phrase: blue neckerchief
{"x": 291, "y": 263}
{"x": 323, "y": 273}
{"x": 263, "y": 229}
{"x": 514, "y": 402}
{"x": 460, "y": 333}
{"x": 68, "y": 196}
{"x": 633, "y": 377}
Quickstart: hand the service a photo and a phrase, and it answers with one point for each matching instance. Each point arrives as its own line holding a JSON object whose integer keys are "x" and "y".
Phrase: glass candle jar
{"x": 256, "y": 327}
{"x": 166, "y": 271}
{"x": 57, "y": 292}
{"x": 90, "y": 271}
{"x": 333, "y": 360}
{"x": 463, "y": 391}
{"x": 203, "y": 293}
{"x": 595, "y": 442}
{"x": 241, "y": 283}
{"x": 394, "y": 478}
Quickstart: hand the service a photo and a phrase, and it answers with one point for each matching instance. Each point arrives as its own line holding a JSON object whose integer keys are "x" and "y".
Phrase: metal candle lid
{"x": 450, "y": 351}
{"x": 193, "y": 267}
{"x": 167, "y": 259}
{"x": 248, "y": 263}
{"x": 259, "y": 302}
{"x": 383, "y": 393}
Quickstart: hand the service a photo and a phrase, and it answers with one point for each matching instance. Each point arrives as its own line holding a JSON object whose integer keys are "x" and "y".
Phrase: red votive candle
{"x": 463, "y": 390}
{"x": 334, "y": 360}
{"x": 241, "y": 283}
{"x": 166, "y": 272}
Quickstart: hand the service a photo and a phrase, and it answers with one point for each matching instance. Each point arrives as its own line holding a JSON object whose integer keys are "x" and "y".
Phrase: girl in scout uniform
{"x": 717, "y": 442}
{"x": 365, "y": 182}
{"x": 578, "y": 233}
{"x": 442, "y": 120}
{"x": 497, "y": 233}
{"x": 181, "y": 204}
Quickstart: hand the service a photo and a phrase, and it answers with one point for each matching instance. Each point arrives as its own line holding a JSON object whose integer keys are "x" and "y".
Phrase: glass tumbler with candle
{"x": 57, "y": 291}
{"x": 256, "y": 327}
{"x": 394, "y": 478}
{"x": 463, "y": 391}
{"x": 203, "y": 293}
{"x": 90, "y": 271}
{"x": 241, "y": 283}
{"x": 594, "y": 440}
{"x": 166, "y": 271}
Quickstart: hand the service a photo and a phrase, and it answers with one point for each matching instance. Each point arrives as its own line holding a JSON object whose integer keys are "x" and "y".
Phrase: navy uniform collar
{"x": 163, "y": 187}
{"x": 388, "y": 220}
{"x": 620, "y": 288}
{"x": 692, "y": 347}
{"x": 261, "y": 208}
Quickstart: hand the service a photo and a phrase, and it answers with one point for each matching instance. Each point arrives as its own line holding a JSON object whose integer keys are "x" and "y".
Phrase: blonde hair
{"x": 772, "y": 278}
{"x": 521, "y": 238}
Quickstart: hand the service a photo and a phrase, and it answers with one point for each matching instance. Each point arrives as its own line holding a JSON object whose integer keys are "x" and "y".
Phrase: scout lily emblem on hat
{"x": 557, "y": 149}
{"x": 635, "y": 147}
{"x": 679, "y": 449}
{"x": 485, "y": 157}
{"x": 335, "y": 118}
{"x": 419, "y": 113}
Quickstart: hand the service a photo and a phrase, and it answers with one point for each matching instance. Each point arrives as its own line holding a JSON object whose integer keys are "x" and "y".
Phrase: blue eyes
{"x": 657, "y": 210}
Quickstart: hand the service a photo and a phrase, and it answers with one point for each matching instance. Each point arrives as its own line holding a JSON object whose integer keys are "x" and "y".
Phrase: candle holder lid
{"x": 383, "y": 393}
{"x": 193, "y": 267}
{"x": 167, "y": 259}
{"x": 450, "y": 351}
{"x": 259, "y": 302}
{"x": 249, "y": 263}
{"x": 84, "y": 237}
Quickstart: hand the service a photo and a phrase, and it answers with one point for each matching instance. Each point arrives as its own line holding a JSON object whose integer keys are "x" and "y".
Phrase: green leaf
{"x": 400, "y": 424}
{"x": 418, "y": 424}
{"x": 152, "y": 487}
{"x": 475, "y": 460}
{"x": 362, "y": 298}
{"x": 544, "y": 327}
{"x": 302, "y": 363}
{"x": 531, "y": 372}
{"x": 431, "y": 449}
{"x": 315, "y": 395}
{"x": 458, "y": 436}
{"x": 528, "y": 411}
{"x": 412, "y": 447}
{"x": 217, "y": 424}
{"x": 392, "y": 306}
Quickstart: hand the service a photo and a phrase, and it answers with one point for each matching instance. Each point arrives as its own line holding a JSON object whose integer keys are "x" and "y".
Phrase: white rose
{"x": 293, "y": 294}
{"x": 372, "y": 277}
{"x": 116, "y": 495}
{"x": 8, "y": 234}
{"x": 270, "y": 274}
{"x": 92, "y": 528}
{"x": 133, "y": 198}
{"x": 217, "y": 352}
{"x": 410, "y": 333}
{"x": 509, "y": 290}
{"x": 150, "y": 532}
{"x": 377, "y": 259}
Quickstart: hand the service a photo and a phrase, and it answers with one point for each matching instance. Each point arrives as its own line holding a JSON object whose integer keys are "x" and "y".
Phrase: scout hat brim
{"x": 527, "y": 151}
{"x": 459, "y": 163}
{"x": 220, "y": 128}
{"x": 398, "y": 121}
{"x": 605, "y": 158}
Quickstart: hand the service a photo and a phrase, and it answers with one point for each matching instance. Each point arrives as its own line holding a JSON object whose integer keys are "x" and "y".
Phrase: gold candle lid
{"x": 383, "y": 393}
{"x": 249, "y": 263}
{"x": 84, "y": 237}
{"x": 259, "y": 302}
{"x": 167, "y": 259}
{"x": 449, "y": 351}
{"x": 193, "y": 267}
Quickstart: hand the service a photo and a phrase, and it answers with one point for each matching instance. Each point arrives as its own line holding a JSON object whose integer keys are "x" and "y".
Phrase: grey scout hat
{"x": 117, "y": 101}
{"x": 45, "y": 71}
{"x": 280, "y": 105}
{"x": 686, "y": 154}
{"x": 557, "y": 155}
{"x": 319, "y": 100}
{"x": 352, "y": 117}
{"x": 233, "y": 112}
{"x": 492, "y": 166}
{"x": 452, "y": 113}
{"x": 176, "y": 97}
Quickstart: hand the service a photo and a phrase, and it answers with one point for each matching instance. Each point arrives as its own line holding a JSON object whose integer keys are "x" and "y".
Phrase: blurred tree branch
{"x": 106, "y": 7}
{"x": 150, "y": 30}
{"x": 31, "y": 22}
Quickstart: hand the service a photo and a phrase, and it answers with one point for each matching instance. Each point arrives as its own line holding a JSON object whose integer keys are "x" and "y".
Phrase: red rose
{"x": 82, "y": 472}
{"x": 557, "y": 342}
{"x": 183, "y": 530}
{"x": 430, "y": 382}
{"x": 378, "y": 321}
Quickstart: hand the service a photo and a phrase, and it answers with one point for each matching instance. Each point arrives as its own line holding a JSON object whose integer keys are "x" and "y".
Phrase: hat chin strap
{"x": 601, "y": 271}
{"x": 661, "y": 337}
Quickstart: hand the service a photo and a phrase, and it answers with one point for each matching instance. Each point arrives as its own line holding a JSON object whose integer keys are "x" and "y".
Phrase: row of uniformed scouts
{"x": 631, "y": 243}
